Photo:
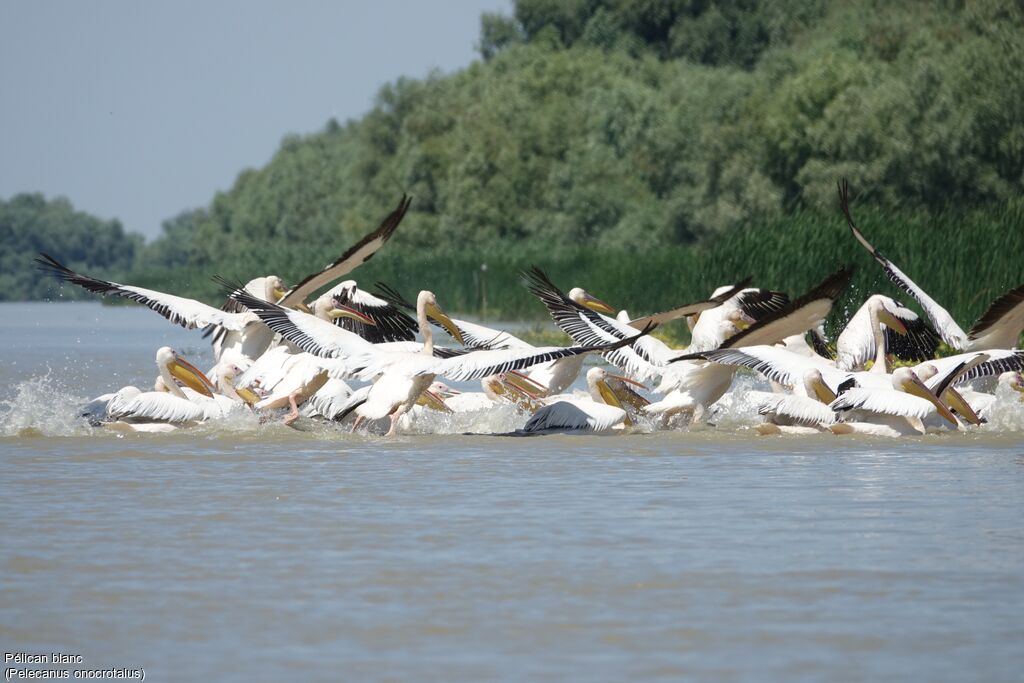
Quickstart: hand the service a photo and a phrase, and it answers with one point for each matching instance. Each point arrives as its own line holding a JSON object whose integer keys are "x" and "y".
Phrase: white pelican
{"x": 999, "y": 327}
{"x": 908, "y": 400}
{"x": 602, "y": 412}
{"x": 174, "y": 405}
{"x": 863, "y": 335}
{"x": 401, "y": 376}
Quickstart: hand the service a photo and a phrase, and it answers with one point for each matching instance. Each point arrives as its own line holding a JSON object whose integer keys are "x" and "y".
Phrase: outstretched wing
{"x": 694, "y": 308}
{"x": 355, "y": 256}
{"x": 188, "y": 313}
{"x": 947, "y": 328}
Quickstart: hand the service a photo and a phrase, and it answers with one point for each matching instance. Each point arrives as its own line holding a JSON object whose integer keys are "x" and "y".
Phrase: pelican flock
{"x": 370, "y": 361}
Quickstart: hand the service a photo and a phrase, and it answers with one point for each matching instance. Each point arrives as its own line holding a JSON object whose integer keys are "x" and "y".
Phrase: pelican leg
{"x": 395, "y": 416}
{"x": 358, "y": 421}
{"x": 294, "y": 414}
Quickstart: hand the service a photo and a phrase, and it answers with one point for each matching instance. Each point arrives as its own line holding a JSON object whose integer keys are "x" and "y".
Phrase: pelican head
{"x": 431, "y": 398}
{"x": 600, "y": 391}
{"x": 331, "y": 307}
{"x": 443, "y": 390}
{"x": 904, "y": 379}
{"x": 876, "y": 305}
{"x": 275, "y": 289}
{"x": 816, "y": 387}
{"x": 167, "y": 359}
{"x": 585, "y": 299}
{"x": 226, "y": 384}
{"x": 427, "y": 302}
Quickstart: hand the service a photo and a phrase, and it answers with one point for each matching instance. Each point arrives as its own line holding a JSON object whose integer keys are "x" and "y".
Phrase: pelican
{"x": 863, "y": 336}
{"x": 908, "y": 400}
{"x": 999, "y": 327}
{"x": 174, "y": 405}
{"x": 603, "y": 411}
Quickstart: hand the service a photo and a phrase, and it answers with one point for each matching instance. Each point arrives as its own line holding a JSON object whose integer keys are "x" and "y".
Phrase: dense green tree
{"x": 29, "y": 224}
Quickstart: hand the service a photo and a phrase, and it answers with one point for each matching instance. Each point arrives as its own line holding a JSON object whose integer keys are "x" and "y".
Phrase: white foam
{"x": 42, "y": 407}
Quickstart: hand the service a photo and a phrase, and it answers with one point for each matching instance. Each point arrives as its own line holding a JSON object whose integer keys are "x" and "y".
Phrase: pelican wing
{"x": 188, "y": 313}
{"x": 355, "y": 256}
{"x": 776, "y": 364}
{"x": 483, "y": 363}
{"x": 884, "y": 401}
{"x": 800, "y": 409}
{"x": 797, "y": 316}
{"x": 590, "y": 328}
{"x": 1000, "y": 326}
{"x": 947, "y": 328}
{"x": 479, "y": 336}
{"x": 392, "y": 324}
{"x": 582, "y": 415}
{"x": 690, "y": 309}
{"x": 757, "y": 303}
{"x": 309, "y": 333}
{"x": 160, "y": 406}
{"x": 996, "y": 362}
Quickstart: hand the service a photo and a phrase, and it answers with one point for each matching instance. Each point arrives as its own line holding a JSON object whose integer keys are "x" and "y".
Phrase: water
{"x": 251, "y": 553}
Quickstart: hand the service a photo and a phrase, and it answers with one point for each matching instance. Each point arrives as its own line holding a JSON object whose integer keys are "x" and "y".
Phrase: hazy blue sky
{"x": 138, "y": 110}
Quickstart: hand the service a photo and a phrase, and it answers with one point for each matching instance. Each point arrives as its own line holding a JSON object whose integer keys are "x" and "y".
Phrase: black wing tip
{"x": 49, "y": 264}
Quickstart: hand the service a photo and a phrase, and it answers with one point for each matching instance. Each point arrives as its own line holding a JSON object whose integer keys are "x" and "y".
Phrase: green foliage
{"x": 30, "y": 224}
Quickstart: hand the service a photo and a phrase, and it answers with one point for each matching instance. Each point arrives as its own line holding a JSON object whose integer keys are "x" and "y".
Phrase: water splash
{"x": 1007, "y": 415}
{"x": 41, "y": 406}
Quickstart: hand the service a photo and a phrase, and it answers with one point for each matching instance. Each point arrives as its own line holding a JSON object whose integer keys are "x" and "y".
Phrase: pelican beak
{"x": 916, "y": 387}
{"x": 435, "y": 312}
{"x": 448, "y": 393}
{"x": 304, "y": 308}
{"x": 278, "y": 293}
{"x": 190, "y": 376}
{"x": 822, "y": 392}
{"x": 607, "y": 394}
{"x": 627, "y": 380}
{"x": 248, "y": 395}
{"x": 431, "y": 400}
{"x": 340, "y": 310}
{"x": 892, "y": 322}
{"x": 960, "y": 405}
{"x": 612, "y": 399}
{"x": 524, "y": 384}
{"x": 595, "y": 304}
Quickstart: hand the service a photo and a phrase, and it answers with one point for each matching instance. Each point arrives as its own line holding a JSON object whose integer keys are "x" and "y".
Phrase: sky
{"x": 140, "y": 110}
